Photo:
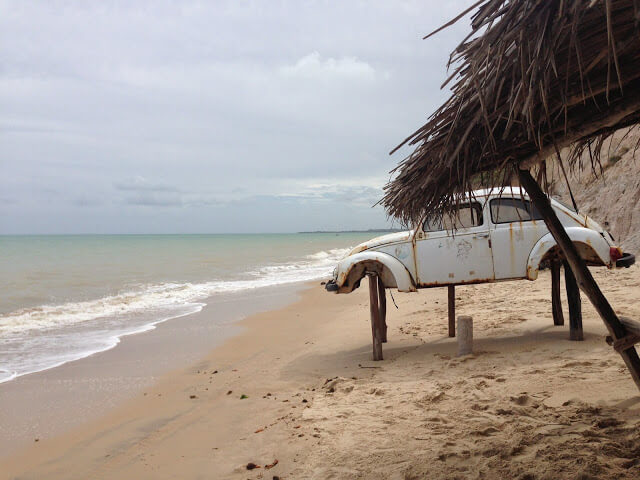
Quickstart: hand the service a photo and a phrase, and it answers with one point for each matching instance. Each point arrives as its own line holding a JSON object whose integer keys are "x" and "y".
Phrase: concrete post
{"x": 465, "y": 335}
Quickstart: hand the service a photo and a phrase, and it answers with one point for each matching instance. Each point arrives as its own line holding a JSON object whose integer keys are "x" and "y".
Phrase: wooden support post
{"x": 465, "y": 335}
{"x": 375, "y": 317}
{"x": 556, "y": 302}
{"x": 452, "y": 310}
{"x": 575, "y": 305}
{"x": 382, "y": 300}
{"x": 582, "y": 274}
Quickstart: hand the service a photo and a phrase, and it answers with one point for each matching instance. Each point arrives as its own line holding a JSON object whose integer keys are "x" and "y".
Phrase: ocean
{"x": 63, "y": 297}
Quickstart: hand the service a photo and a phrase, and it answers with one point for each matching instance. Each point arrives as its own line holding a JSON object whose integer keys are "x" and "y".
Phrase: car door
{"x": 455, "y": 250}
{"x": 516, "y": 226}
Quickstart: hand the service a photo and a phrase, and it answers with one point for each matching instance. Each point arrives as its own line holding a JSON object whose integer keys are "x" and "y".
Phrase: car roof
{"x": 498, "y": 192}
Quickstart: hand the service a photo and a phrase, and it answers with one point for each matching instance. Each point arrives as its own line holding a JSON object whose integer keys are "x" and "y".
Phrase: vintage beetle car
{"x": 496, "y": 235}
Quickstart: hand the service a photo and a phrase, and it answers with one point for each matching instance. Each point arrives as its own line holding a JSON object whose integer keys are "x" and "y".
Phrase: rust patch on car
{"x": 463, "y": 282}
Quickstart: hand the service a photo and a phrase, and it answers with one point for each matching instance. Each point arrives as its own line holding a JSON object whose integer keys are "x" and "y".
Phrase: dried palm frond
{"x": 532, "y": 77}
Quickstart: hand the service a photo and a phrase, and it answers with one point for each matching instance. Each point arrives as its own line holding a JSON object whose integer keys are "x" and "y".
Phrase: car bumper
{"x": 331, "y": 286}
{"x": 626, "y": 261}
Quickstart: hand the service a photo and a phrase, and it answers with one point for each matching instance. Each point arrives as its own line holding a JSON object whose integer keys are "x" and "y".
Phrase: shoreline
{"x": 116, "y": 339}
{"x": 73, "y": 296}
{"x": 73, "y": 392}
{"x": 297, "y": 385}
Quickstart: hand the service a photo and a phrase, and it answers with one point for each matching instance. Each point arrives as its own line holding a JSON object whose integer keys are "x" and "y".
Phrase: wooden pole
{"x": 582, "y": 274}
{"x": 382, "y": 300}
{"x": 375, "y": 317}
{"x": 452, "y": 310}
{"x": 575, "y": 305}
{"x": 465, "y": 335}
{"x": 556, "y": 302}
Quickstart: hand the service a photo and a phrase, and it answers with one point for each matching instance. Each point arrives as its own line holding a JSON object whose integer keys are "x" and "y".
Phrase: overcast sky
{"x": 178, "y": 117}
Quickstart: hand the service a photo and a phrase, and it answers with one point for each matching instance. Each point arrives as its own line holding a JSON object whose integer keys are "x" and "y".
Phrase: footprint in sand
{"x": 577, "y": 364}
{"x": 485, "y": 432}
{"x": 489, "y": 376}
{"x": 502, "y": 411}
{"x": 522, "y": 399}
{"x": 535, "y": 371}
{"x": 376, "y": 391}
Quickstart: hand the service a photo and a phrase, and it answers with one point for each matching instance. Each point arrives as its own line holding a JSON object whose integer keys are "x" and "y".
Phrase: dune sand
{"x": 527, "y": 404}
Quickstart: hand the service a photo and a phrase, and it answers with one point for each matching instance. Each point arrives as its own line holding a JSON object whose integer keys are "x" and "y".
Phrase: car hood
{"x": 388, "y": 239}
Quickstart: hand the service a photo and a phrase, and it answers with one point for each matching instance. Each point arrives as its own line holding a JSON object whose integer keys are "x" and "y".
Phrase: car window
{"x": 466, "y": 216}
{"x": 432, "y": 225}
{"x": 507, "y": 210}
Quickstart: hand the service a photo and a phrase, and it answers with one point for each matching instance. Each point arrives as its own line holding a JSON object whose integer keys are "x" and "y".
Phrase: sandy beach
{"x": 297, "y": 395}
{"x": 186, "y": 185}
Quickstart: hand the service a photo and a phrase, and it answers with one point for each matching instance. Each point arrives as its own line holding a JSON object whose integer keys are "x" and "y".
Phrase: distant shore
{"x": 371, "y": 230}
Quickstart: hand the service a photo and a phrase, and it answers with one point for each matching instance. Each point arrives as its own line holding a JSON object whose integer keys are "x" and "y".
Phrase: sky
{"x": 211, "y": 116}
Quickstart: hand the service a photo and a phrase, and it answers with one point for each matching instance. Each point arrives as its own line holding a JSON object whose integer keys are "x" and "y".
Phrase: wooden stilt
{"x": 375, "y": 317}
{"x": 582, "y": 274}
{"x": 556, "y": 302}
{"x": 382, "y": 300}
{"x": 452, "y": 310}
{"x": 575, "y": 305}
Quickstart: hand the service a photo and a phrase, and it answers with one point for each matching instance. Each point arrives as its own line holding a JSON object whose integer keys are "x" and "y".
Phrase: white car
{"x": 496, "y": 235}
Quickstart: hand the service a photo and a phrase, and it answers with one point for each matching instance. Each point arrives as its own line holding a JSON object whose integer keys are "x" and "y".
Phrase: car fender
{"x": 393, "y": 273}
{"x": 591, "y": 246}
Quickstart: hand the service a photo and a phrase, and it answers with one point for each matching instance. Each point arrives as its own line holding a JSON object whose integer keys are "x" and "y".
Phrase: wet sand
{"x": 298, "y": 386}
{"x": 48, "y": 403}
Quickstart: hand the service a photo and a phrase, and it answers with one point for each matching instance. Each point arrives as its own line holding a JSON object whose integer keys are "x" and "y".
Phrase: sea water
{"x": 63, "y": 298}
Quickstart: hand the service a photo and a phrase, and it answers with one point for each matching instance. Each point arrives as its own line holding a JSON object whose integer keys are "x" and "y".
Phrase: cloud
{"x": 8, "y": 201}
{"x": 360, "y": 195}
{"x": 219, "y": 116}
{"x": 141, "y": 184}
{"x": 153, "y": 200}
{"x": 83, "y": 201}
{"x": 142, "y": 192}
{"x": 313, "y": 66}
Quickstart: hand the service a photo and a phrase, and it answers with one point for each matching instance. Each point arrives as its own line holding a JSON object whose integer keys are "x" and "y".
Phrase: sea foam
{"x": 35, "y": 339}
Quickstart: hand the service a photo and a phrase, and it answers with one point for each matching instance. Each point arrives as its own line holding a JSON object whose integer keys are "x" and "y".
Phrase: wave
{"x": 35, "y": 339}
{"x": 164, "y": 295}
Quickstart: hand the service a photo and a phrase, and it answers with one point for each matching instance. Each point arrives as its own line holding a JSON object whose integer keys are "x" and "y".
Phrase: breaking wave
{"x": 35, "y": 339}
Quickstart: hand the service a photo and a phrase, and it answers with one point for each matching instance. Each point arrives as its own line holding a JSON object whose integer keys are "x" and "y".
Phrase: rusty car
{"x": 493, "y": 235}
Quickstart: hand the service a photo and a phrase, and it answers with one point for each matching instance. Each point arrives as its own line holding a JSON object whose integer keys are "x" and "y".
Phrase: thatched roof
{"x": 532, "y": 77}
